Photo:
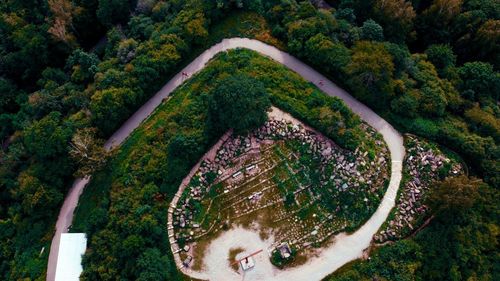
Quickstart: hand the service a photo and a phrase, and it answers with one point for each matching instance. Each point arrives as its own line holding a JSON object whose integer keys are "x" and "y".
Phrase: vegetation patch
{"x": 232, "y": 257}
{"x": 283, "y": 255}
{"x": 246, "y": 24}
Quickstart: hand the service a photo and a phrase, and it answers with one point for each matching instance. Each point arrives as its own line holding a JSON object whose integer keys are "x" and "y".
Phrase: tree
{"x": 193, "y": 24}
{"x": 83, "y": 65}
{"x": 238, "y": 102}
{"x": 464, "y": 33}
{"x": 487, "y": 42}
{"x": 110, "y": 106}
{"x": 483, "y": 122}
{"x": 332, "y": 57}
{"x": 113, "y": 37}
{"x": 8, "y": 93}
{"x": 145, "y": 6}
{"x": 301, "y": 30}
{"x": 141, "y": 27}
{"x": 371, "y": 63}
{"x": 480, "y": 78}
{"x": 362, "y": 8}
{"x": 432, "y": 100}
{"x": 110, "y": 12}
{"x": 491, "y": 171}
{"x": 183, "y": 151}
{"x": 85, "y": 22}
{"x": 88, "y": 151}
{"x": 184, "y": 147}
{"x": 441, "y": 56}
{"x": 406, "y": 104}
{"x": 52, "y": 77}
{"x": 401, "y": 58}
{"x": 371, "y": 70}
{"x": 346, "y": 14}
{"x": 26, "y": 54}
{"x": 132, "y": 246}
{"x": 48, "y": 137}
{"x": 396, "y": 16}
{"x": 433, "y": 24}
{"x": 476, "y": 147}
{"x": 36, "y": 197}
{"x": 152, "y": 266}
{"x": 371, "y": 30}
{"x": 156, "y": 58}
{"x": 454, "y": 195}
{"x": 63, "y": 11}
{"x": 331, "y": 120}
{"x": 346, "y": 32}
{"x": 126, "y": 50}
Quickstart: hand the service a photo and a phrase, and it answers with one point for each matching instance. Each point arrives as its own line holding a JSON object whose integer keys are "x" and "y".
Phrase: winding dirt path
{"x": 346, "y": 248}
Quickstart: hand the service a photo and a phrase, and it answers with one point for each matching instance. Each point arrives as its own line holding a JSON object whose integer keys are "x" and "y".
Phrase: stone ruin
{"x": 422, "y": 164}
{"x": 351, "y": 170}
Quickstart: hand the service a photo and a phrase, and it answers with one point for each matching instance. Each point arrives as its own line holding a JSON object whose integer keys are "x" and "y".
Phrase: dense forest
{"x": 74, "y": 70}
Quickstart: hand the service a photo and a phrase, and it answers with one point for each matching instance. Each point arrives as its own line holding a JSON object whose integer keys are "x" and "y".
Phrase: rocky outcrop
{"x": 423, "y": 166}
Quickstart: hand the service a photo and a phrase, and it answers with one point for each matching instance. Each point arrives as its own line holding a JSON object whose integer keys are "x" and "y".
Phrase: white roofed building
{"x": 69, "y": 259}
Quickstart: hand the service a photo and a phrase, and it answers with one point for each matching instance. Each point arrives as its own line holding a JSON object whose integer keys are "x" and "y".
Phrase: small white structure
{"x": 247, "y": 263}
{"x": 249, "y": 168}
{"x": 69, "y": 259}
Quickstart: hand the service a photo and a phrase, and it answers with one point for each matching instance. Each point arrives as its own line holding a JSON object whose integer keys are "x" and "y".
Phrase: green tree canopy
{"x": 322, "y": 51}
{"x": 441, "y": 56}
{"x": 193, "y": 24}
{"x": 110, "y": 106}
{"x": 8, "y": 92}
{"x": 83, "y": 65}
{"x": 396, "y": 16}
{"x": 110, "y": 12}
{"x": 240, "y": 103}
{"x": 371, "y": 30}
{"x": 35, "y": 195}
{"x": 454, "y": 195}
{"x": 480, "y": 78}
{"x": 48, "y": 137}
{"x": 371, "y": 71}
{"x": 406, "y": 104}
{"x": 153, "y": 266}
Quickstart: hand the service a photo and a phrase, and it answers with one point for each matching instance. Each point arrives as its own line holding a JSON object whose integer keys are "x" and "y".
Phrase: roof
{"x": 284, "y": 250}
{"x": 69, "y": 259}
{"x": 247, "y": 263}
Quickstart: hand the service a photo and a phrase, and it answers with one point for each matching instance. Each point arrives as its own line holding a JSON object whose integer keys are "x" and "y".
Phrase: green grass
{"x": 96, "y": 196}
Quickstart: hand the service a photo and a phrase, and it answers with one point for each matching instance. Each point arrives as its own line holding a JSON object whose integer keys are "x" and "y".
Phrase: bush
{"x": 238, "y": 102}
{"x": 280, "y": 262}
{"x": 372, "y": 31}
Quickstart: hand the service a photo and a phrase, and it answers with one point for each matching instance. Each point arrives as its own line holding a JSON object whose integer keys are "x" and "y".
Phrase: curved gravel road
{"x": 347, "y": 247}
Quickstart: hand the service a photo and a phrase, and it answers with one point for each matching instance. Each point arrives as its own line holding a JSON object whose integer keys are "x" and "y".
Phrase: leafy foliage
{"x": 371, "y": 30}
{"x": 114, "y": 11}
{"x": 239, "y": 103}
